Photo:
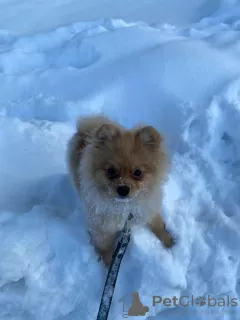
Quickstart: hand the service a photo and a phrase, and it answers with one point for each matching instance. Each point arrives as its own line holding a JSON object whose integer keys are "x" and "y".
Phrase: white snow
{"x": 177, "y": 69}
{"x": 30, "y": 16}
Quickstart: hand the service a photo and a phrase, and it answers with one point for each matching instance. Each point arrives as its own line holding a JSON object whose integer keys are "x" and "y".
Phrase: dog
{"x": 116, "y": 171}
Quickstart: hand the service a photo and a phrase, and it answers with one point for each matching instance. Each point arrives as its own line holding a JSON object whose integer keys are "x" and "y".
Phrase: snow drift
{"x": 183, "y": 80}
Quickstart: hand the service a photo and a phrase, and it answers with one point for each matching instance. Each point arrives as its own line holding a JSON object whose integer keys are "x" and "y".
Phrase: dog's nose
{"x": 123, "y": 191}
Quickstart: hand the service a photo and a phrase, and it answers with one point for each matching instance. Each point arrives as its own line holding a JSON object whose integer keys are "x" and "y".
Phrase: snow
{"x": 30, "y": 17}
{"x": 176, "y": 69}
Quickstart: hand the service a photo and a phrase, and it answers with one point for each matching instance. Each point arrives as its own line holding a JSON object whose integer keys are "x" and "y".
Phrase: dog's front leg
{"x": 157, "y": 226}
{"x": 104, "y": 244}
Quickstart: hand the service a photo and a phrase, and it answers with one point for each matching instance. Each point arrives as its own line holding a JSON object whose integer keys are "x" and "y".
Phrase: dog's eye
{"x": 112, "y": 173}
{"x": 137, "y": 174}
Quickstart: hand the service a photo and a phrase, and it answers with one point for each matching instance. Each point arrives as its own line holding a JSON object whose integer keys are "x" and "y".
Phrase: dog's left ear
{"x": 149, "y": 137}
{"x": 107, "y": 132}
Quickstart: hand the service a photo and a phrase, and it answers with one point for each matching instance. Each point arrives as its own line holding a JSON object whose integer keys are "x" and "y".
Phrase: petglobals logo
{"x": 186, "y": 301}
{"x": 199, "y": 305}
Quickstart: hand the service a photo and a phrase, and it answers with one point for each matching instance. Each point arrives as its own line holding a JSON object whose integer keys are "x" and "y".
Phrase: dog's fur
{"x": 99, "y": 144}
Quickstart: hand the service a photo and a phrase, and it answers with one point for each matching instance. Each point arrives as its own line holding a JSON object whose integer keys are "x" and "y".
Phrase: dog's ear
{"x": 80, "y": 142}
{"x": 107, "y": 132}
{"x": 149, "y": 137}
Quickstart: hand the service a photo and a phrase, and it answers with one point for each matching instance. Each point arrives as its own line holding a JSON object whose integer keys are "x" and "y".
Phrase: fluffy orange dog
{"x": 117, "y": 171}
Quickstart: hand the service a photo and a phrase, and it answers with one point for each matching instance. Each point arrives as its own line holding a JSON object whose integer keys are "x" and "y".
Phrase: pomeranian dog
{"x": 117, "y": 171}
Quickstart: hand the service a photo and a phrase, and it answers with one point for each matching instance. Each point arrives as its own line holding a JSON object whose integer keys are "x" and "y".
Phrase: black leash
{"x": 113, "y": 271}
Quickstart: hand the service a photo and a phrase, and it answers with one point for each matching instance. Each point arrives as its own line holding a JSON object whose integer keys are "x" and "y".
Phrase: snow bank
{"x": 30, "y": 17}
{"x": 184, "y": 81}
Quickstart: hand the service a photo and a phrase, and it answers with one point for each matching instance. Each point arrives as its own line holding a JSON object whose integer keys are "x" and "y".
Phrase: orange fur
{"x": 105, "y": 162}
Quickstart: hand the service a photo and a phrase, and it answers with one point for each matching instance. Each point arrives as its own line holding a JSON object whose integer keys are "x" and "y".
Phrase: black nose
{"x": 123, "y": 191}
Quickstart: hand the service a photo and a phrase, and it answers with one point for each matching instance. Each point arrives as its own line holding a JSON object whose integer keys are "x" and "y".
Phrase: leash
{"x": 113, "y": 271}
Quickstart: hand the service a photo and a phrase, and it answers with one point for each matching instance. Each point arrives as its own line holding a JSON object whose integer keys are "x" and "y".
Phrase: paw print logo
{"x": 201, "y": 301}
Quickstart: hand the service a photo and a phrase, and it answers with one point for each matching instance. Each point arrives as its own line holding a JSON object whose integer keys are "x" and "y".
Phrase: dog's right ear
{"x": 107, "y": 132}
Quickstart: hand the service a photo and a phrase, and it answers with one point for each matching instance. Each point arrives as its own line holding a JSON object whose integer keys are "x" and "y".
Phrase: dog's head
{"x": 125, "y": 164}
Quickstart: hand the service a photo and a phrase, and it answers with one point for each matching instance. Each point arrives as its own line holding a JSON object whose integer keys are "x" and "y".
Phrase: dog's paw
{"x": 168, "y": 240}
{"x": 106, "y": 257}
